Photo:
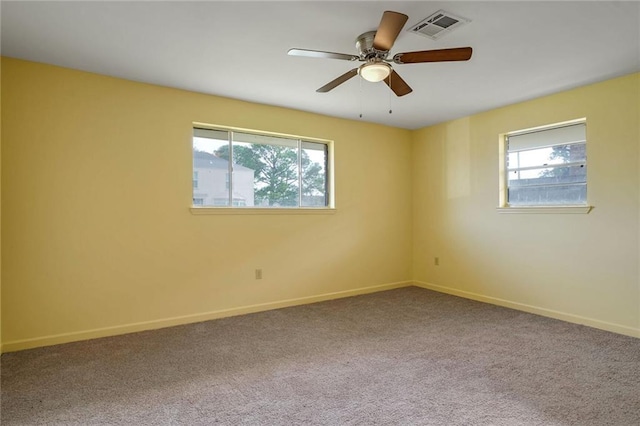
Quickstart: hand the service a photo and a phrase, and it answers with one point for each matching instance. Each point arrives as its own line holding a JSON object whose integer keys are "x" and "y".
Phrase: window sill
{"x": 259, "y": 211}
{"x": 546, "y": 210}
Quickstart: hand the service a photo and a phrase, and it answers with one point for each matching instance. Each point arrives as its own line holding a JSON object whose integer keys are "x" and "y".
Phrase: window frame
{"x": 503, "y": 152}
{"x": 329, "y": 208}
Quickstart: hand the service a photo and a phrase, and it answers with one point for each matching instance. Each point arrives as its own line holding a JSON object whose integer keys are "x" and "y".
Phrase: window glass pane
{"x": 314, "y": 174}
{"x": 244, "y": 174}
{"x": 268, "y": 171}
{"x": 548, "y": 195}
{"x": 547, "y": 166}
{"x": 266, "y": 175}
{"x": 262, "y": 139}
{"x": 209, "y": 168}
{"x": 548, "y": 176}
{"x": 559, "y": 154}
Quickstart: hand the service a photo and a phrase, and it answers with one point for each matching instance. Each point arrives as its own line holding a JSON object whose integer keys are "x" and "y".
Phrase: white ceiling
{"x": 522, "y": 50}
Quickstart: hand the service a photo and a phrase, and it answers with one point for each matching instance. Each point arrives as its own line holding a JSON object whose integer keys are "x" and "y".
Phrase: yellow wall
{"x": 582, "y": 268}
{"x": 98, "y": 239}
{"x": 97, "y": 234}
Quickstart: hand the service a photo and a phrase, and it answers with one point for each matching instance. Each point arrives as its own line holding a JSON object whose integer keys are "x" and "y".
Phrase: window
{"x": 266, "y": 171}
{"x": 546, "y": 166}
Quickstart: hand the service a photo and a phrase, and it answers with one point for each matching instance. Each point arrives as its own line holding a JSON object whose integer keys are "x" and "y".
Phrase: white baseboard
{"x": 576, "y": 319}
{"x": 17, "y": 345}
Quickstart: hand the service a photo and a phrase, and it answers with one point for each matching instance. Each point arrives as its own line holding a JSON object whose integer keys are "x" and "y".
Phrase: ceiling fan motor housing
{"x": 364, "y": 44}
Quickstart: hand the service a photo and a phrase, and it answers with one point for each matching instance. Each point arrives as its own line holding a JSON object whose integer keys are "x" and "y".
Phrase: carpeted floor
{"x": 402, "y": 357}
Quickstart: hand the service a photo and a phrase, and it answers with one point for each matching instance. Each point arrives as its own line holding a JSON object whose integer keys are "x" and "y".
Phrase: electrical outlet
{"x": 436, "y": 261}
{"x": 258, "y": 274}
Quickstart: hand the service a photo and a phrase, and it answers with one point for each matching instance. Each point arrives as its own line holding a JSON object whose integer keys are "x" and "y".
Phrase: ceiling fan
{"x": 374, "y": 47}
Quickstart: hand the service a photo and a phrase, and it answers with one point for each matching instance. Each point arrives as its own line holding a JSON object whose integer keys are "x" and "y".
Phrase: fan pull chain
{"x": 360, "y": 81}
{"x": 390, "y": 97}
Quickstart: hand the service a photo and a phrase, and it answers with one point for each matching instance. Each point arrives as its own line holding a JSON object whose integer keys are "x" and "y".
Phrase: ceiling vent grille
{"x": 438, "y": 24}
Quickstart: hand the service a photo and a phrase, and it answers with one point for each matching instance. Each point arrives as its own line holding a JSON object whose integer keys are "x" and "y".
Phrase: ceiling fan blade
{"x": 338, "y": 81}
{"x": 397, "y": 84}
{"x": 442, "y": 55}
{"x": 321, "y": 54}
{"x": 390, "y": 26}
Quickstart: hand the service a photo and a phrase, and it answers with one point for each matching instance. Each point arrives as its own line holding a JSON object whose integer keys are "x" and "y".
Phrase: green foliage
{"x": 567, "y": 154}
{"x": 276, "y": 172}
{"x": 562, "y": 152}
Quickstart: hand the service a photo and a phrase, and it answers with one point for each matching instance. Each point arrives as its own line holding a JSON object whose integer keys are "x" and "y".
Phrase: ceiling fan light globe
{"x": 375, "y": 72}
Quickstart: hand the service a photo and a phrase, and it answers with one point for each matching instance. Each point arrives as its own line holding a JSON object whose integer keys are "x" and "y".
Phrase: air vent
{"x": 438, "y": 24}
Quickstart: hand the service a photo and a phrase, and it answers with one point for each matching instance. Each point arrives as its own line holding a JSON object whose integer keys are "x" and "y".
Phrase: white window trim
{"x": 546, "y": 209}
{"x": 330, "y": 208}
{"x": 261, "y": 211}
{"x": 504, "y": 207}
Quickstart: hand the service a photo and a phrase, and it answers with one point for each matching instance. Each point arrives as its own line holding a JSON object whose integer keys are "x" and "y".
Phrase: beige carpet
{"x": 403, "y": 357}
